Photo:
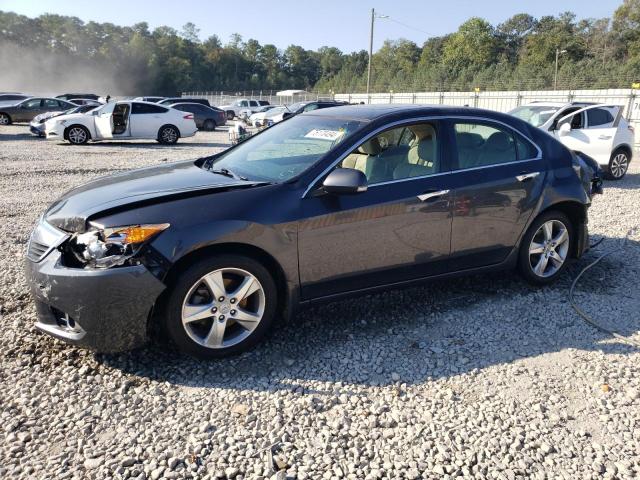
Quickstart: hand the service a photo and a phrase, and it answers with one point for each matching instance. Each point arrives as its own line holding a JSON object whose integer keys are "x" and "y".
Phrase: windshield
{"x": 287, "y": 149}
{"x": 296, "y": 106}
{"x": 275, "y": 111}
{"x": 535, "y": 115}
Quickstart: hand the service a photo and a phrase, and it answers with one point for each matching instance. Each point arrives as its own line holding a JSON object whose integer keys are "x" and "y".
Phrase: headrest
{"x": 499, "y": 141}
{"x": 468, "y": 140}
{"x": 426, "y": 149}
{"x": 370, "y": 147}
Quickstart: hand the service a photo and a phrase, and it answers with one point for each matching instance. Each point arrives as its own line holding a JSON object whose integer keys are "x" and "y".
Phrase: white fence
{"x": 503, "y": 101}
{"x": 221, "y": 98}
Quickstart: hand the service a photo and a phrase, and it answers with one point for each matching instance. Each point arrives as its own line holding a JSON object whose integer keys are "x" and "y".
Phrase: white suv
{"x": 597, "y": 130}
{"x": 243, "y": 105}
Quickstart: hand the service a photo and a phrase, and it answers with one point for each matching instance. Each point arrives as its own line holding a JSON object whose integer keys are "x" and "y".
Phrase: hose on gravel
{"x": 585, "y": 316}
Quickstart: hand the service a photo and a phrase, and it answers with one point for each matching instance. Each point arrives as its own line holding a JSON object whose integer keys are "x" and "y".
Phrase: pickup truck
{"x": 242, "y": 105}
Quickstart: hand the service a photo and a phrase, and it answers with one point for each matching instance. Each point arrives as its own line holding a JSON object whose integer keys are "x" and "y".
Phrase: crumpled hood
{"x": 71, "y": 211}
{"x": 45, "y": 116}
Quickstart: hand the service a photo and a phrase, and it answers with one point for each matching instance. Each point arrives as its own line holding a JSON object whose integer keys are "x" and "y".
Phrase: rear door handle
{"x": 604, "y": 137}
{"x": 429, "y": 195}
{"x": 527, "y": 176}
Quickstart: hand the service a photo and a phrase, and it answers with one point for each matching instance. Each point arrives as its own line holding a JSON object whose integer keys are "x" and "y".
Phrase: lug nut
{"x": 221, "y": 318}
{"x": 221, "y": 299}
{"x": 232, "y": 312}
{"x": 233, "y": 300}
{"x": 214, "y": 310}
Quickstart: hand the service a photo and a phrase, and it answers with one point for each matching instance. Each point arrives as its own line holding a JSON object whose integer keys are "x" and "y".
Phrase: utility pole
{"x": 555, "y": 76}
{"x": 373, "y": 16}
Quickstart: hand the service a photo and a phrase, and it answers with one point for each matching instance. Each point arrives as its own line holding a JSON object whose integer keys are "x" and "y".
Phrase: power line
{"x": 408, "y": 26}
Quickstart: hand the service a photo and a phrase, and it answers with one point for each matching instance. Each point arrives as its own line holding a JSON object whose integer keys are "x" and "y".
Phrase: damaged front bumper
{"x": 103, "y": 309}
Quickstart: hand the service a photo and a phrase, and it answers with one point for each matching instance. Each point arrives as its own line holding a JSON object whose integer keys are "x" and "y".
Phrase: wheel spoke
{"x": 215, "y": 283}
{"x": 247, "y": 319}
{"x": 246, "y": 288}
{"x": 547, "y": 229}
{"x": 556, "y": 258}
{"x": 536, "y": 248}
{"x": 561, "y": 237}
{"x": 541, "y": 266}
{"x": 193, "y": 313}
{"x": 215, "y": 337}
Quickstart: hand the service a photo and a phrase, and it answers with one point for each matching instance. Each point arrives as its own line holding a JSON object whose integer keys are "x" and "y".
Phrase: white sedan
{"x": 126, "y": 120}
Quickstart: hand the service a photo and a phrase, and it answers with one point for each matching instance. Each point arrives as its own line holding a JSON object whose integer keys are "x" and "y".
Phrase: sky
{"x": 343, "y": 24}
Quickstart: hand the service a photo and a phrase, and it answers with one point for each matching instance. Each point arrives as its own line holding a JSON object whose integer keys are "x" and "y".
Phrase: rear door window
{"x": 480, "y": 145}
{"x": 145, "y": 108}
{"x": 599, "y": 117}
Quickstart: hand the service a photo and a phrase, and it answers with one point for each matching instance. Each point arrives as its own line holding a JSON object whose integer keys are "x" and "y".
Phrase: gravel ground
{"x": 481, "y": 377}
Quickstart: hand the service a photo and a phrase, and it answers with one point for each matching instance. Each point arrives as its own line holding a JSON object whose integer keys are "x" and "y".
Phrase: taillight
{"x": 188, "y": 117}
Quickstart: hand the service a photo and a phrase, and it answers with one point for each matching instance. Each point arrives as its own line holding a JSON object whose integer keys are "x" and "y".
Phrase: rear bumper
{"x": 104, "y": 310}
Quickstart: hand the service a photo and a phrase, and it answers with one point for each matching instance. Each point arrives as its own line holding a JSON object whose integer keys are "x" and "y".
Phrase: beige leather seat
{"x": 361, "y": 158}
{"x": 421, "y": 158}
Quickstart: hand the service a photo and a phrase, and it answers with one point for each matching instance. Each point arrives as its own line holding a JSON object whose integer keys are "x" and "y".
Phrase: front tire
{"x": 168, "y": 135}
{"x": 77, "y": 135}
{"x": 618, "y": 164}
{"x": 545, "y": 248}
{"x": 220, "y": 306}
{"x": 5, "y": 119}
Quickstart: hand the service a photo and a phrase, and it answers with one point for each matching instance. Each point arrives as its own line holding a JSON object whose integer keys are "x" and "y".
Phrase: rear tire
{"x": 5, "y": 119}
{"x": 77, "y": 135}
{"x": 546, "y": 248}
{"x": 618, "y": 164}
{"x": 209, "y": 126}
{"x": 168, "y": 135}
{"x": 207, "y": 314}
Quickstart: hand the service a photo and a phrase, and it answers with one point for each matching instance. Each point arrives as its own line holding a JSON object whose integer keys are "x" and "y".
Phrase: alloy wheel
{"x": 4, "y": 119}
{"x": 549, "y": 248}
{"x": 619, "y": 165}
{"x": 169, "y": 135}
{"x": 223, "y": 308}
{"x": 77, "y": 135}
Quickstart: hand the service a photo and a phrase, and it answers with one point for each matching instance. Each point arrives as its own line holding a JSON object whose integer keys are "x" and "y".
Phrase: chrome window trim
{"x": 422, "y": 119}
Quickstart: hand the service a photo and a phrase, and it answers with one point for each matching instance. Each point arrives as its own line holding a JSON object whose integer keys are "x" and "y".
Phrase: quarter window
{"x": 144, "y": 108}
{"x": 480, "y": 145}
{"x": 396, "y": 154}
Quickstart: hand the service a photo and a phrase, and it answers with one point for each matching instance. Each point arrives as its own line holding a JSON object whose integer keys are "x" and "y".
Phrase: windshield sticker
{"x": 329, "y": 135}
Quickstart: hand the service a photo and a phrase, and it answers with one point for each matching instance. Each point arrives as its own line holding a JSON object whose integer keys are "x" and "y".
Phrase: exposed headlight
{"x": 108, "y": 247}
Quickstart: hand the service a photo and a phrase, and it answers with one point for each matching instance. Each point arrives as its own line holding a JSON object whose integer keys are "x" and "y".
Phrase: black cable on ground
{"x": 585, "y": 316}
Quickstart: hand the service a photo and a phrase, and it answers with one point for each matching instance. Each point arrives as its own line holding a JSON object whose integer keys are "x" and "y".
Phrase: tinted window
{"x": 599, "y": 116}
{"x": 50, "y": 103}
{"x": 386, "y": 157}
{"x": 253, "y": 103}
{"x": 480, "y": 145}
{"x": 310, "y": 107}
{"x": 141, "y": 108}
{"x": 11, "y": 97}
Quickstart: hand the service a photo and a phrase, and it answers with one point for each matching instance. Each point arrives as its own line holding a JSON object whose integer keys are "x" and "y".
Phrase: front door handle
{"x": 527, "y": 176}
{"x": 429, "y": 195}
{"x": 604, "y": 137}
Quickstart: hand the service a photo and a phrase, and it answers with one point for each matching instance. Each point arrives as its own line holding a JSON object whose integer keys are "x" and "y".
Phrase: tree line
{"x": 516, "y": 54}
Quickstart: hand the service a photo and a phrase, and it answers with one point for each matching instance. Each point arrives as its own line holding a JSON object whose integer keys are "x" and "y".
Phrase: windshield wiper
{"x": 228, "y": 173}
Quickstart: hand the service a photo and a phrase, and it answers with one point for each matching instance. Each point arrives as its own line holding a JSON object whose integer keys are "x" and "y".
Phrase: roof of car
{"x": 372, "y": 112}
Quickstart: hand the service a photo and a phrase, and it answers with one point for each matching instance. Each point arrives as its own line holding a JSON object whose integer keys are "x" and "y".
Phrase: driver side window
{"x": 576, "y": 121}
{"x": 398, "y": 153}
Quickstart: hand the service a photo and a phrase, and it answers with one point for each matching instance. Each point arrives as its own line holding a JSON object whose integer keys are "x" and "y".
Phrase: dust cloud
{"x": 40, "y": 72}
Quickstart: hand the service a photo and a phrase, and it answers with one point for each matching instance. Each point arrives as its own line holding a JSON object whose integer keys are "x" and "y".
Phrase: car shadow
{"x": 439, "y": 330}
{"x": 631, "y": 181}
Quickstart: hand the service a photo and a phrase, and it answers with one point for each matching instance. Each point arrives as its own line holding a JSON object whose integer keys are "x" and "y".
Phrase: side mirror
{"x": 345, "y": 181}
{"x": 564, "y": 129}
{"x": 286, "y": 115}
